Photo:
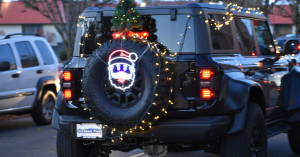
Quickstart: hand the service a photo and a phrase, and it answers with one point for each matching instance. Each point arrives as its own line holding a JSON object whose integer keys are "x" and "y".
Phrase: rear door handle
{"x": 39, "y": 71}
{"x": 16, "y": 75}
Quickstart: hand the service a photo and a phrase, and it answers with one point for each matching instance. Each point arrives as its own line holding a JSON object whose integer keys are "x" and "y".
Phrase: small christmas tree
{"x": 126, "y": 17}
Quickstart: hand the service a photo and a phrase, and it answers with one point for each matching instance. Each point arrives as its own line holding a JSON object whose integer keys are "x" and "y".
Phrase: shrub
{"x": 63, "y": 55}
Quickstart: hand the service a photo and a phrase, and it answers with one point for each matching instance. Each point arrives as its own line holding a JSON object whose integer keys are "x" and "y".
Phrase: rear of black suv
{"x": 190, "y": 90}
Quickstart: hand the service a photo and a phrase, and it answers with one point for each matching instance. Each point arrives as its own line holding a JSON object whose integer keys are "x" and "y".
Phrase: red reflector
{"x": 142, "y": 34}
{"x": 67, "y": 75}
{"x": 207, "y": 94}
{"x": 206, "y": 74}
{"x": 129, "y": 34}
{"x": 115, "y": 35}
{"x": 67, "y": 94}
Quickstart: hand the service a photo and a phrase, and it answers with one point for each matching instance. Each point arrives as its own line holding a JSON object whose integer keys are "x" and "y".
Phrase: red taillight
{"x": 207, "y": 93}
{"x": 67, "y": 94}
{"x": 59, "y": 72}
{"x": 67, "y": 75}
{"x": 206, "y": 74}
{"x": 141, "y": 34}
{"x": 115, "y": 35}
{"x": 299, "y": 47}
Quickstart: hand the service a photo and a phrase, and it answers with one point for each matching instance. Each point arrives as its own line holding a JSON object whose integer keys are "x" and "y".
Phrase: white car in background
{"x": 29, "y": 76}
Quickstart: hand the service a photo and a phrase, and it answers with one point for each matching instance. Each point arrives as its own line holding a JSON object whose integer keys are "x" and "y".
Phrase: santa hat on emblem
{"x": 122, "y": 56}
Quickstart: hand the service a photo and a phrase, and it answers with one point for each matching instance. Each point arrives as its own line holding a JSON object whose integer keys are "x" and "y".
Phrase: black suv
{"x": 199, "y": 76}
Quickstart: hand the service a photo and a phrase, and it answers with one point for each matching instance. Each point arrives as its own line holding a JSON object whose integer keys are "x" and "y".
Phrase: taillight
{"x": 299, "y": 47}
{"x": 116, "y": 34}
{"x": 206, "y": 74}
{"x": 208, "y": 83}
{"x": 67, "y": 94}
{"x": 67, "y": 76}
{"x": 207, "y": 93}
{"x": 141, "y": 34}
{"x": 59, "y": 71}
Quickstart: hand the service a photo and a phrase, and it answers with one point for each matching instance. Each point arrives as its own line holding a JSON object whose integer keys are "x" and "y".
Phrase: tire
{"x": 112, "y": 112}
{"x": 42, "y": 114}
{"x": 236, "y": 145}
{"x": 68, "y": 147}
{"x": 294, "y": 138}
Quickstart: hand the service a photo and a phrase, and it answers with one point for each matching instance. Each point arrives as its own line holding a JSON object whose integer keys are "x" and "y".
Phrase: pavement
{"x": 20, "y": 137}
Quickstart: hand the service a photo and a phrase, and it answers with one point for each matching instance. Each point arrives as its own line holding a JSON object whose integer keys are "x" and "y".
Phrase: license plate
{"x": 89, "y": 130}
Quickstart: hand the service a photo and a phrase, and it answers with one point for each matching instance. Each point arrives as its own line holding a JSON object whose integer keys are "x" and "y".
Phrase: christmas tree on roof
{"x": 126, "y": 17}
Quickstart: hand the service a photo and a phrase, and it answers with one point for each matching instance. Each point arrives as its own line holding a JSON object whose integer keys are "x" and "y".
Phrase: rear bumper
{"x": 197, "y": 129}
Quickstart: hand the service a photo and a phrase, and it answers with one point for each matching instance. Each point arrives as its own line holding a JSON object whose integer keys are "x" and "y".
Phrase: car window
{"x": 27, "y": 54}
{"x": 45, "y": 52}
{"x": 159, "y": 27}
{"x": 292, "y": 47}
{"x": 280, "y": 42}
{"x": 6, "y": 55}
{"x": 245, "y": 36}
{"x": 264, "y": 38}
{"x": 221, "y": 38}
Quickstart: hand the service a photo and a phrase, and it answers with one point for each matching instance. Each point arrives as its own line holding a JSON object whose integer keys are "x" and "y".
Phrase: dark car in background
{"x": 292, "y": 53}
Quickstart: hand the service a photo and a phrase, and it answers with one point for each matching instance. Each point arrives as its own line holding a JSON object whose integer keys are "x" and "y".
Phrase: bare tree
{"x": 1, "y": 1}
{"x": 294, "y": 4}
{"x": 263, "y": 5}
{"x": 63, "y": 15}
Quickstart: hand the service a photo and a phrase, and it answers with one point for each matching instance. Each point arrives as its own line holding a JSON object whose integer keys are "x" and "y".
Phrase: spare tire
{"x": 117, "y": 101}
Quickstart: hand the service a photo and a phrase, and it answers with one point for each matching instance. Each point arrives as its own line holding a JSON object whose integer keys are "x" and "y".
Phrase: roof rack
{"x": 8, "y": 36}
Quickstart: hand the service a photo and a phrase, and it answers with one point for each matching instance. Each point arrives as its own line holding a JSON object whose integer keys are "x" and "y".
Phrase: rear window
{"x": 27, "y": 54}
{"x": 176, "y": 36}
{"x": 45, "y": 52}
{"x": 220, "y": 38}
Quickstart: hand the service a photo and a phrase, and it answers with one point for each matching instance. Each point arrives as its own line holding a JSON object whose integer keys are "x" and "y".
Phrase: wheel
{"x": 119, "y": 87}
{"x": 236, "y": 145}
{"x": 68, "y": 147}
{"x": 294, "y": 138}
{"x": 42, "y": 114}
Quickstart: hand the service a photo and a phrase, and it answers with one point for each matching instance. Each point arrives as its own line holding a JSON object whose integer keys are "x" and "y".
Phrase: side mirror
{"x": 291, "y": 47}
{"x": 4, "y": 66}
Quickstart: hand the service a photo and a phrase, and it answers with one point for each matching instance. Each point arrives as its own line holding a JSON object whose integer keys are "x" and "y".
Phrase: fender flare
{"x": 235, "y": 93}
{"x": 42, "y": 82}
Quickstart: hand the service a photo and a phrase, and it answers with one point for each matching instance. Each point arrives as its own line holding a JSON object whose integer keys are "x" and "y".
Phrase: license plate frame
{"x": 89, "y": 130}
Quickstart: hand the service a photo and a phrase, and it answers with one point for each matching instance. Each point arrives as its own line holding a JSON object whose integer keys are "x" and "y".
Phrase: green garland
{"x": 126, "y": 17}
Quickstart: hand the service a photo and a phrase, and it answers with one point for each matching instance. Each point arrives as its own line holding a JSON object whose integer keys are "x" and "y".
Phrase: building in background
{"x": 18, "y": 19}
{"x": 281, "y": 22}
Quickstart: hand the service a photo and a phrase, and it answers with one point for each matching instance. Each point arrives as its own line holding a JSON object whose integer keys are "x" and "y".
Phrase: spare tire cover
{"x": 120, "y": 84}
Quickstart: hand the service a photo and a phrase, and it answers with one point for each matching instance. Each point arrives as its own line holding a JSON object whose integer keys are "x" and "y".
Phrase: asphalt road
{"x": 22, "y": 138}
